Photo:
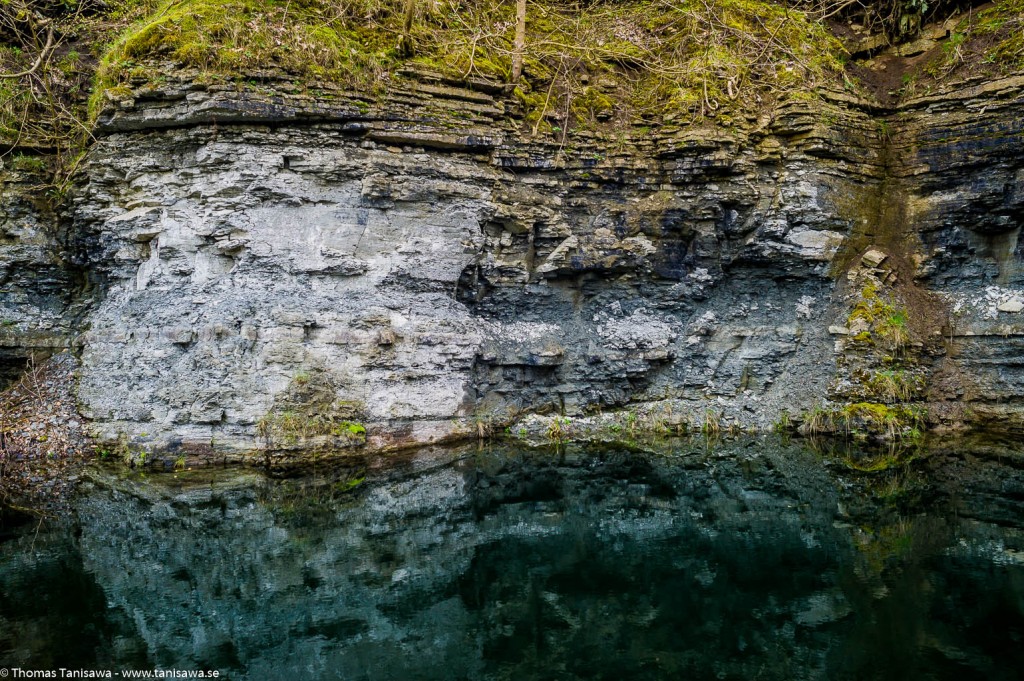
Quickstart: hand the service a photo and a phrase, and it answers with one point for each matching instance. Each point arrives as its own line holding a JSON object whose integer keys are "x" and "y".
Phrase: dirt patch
{"x": 971, "y": 43}
{"x": 952, "y": 62}
{"x": 882, "y": 77}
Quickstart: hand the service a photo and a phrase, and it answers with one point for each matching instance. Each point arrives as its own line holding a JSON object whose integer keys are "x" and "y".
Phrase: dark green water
{"x": 754, "y": 561}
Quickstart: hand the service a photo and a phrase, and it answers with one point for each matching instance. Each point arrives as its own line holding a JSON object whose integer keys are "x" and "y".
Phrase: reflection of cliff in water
{"x": 752, "y": 562}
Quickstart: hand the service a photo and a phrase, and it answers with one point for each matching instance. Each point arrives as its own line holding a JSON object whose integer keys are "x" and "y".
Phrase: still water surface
{"x": 751, "y": 561}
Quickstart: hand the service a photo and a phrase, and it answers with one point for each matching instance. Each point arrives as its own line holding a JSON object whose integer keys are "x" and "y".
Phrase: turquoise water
{"x": 754, "y": 560}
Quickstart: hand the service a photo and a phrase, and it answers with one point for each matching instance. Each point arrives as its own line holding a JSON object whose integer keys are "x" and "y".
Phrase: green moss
{"x": 864, "y": 337}
{"x": 350, "y": 484}
{"x": 309, "y": 408}
{"x": 356, "y": 429}
{"x": 991, "y": 40}
{"x": 29, "y": 164}
{"x": 120, "y": 92}
{"x": 605, "y": 64}
{"x": 892, "y": 421}
{"x": 593, "y": 104}
{"x": 895, "y": 385}
{"x": 291, "y": 427}
{"x": 867, "y": 420}
{"x": 627, "y": 59}
{"x": 886, "y": 318}
{"x": 312, "y": 39}
{"x": 1003, "y": 20}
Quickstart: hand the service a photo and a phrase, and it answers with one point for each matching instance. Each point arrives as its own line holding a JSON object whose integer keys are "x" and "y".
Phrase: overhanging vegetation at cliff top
{"x": 582, "y": 62}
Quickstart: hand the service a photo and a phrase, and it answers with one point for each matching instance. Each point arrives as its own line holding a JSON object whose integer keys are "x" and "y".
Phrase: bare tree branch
{"x": 39, "y": 59}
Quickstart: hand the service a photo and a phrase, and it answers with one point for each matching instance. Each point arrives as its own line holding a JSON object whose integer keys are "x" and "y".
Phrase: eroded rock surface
{"x": 442, "y": 274}
{"x": 37, "y": 284}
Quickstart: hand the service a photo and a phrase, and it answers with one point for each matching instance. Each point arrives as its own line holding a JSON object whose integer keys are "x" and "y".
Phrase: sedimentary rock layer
{"x": 269, "y": 273}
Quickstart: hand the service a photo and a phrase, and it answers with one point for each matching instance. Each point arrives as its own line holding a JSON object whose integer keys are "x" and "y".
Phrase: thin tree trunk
{"x": 405, "y": 42}
{"x": 520, "y": 42}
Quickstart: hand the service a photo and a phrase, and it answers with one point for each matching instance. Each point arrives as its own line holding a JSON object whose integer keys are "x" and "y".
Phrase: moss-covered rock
{"x": 309, "y": 415}
{"x": 628, "y": 59}
{"x": 867, "y": 421}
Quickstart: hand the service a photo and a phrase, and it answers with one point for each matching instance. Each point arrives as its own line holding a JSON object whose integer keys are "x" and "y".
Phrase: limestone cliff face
{"x": 37, "y": 285}
{"x": 960, "y": 175}
{"x": 272, "y": 274}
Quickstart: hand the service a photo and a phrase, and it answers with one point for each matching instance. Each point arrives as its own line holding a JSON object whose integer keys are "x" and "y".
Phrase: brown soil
{"x": 888, "y": 78}
{"x": 882, "y": 80}
{"x": 970, "y": 65}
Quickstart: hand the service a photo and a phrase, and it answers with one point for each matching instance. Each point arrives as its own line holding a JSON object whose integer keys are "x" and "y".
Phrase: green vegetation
{"x": 885, "y": 318}
{"x": 631, "y": 421}
{"x": 896, "y": 422}
{"x": 606, "y": 64}
{"x": 560, "y": 429}
{"x": 309, "y": 408}
{"x": 580, "y": 66}
{"x": 48, "y": 56}
{"x": 37, "y": 90}
{"x": 712, "y": 424}
{"x": 867, "y": 420}
{"x": 1005, "y": 21}
{"x": 882, "y": 392}
{"x": 597, "y": 65}
{"x": 290, "y": 427}
{"x": 1001, "y": 27}
{"x": 895, "y": 385}
{"x": 28, "y": 164}
{"x": 989, "y": 41}
{"x": 882, "y": 371}
{"x": 634, "y": 59}
{"x": 239, "y": 39}
{"x": 122, "y": 450}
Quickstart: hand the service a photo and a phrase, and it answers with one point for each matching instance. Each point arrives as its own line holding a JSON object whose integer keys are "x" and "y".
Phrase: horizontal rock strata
{"x": 268, "y": 273}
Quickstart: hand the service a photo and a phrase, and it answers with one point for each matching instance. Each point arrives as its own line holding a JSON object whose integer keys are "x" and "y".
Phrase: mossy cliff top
{"x": 593, "y": 65}
{"x": 581, "y": 65}
{"x": 588, "y": 65}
